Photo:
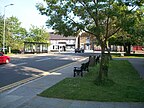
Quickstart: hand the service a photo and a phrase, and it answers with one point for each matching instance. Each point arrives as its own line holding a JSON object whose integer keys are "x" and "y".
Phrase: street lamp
{"x": 4, "y": 27}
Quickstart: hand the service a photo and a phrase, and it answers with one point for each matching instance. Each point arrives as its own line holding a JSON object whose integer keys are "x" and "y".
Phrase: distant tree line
{"x": 15, "y": 34}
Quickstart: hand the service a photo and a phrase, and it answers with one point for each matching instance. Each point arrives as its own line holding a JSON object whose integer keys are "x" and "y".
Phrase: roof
{"x": 61, "y": 37}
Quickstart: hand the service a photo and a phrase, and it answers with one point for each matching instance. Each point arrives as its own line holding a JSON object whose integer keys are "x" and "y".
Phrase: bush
{"x": 16, "y": 51}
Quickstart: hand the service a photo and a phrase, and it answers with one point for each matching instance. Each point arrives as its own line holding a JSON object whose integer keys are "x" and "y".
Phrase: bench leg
{"x": 78, "y": 73}
{"x": 87, "y": 69}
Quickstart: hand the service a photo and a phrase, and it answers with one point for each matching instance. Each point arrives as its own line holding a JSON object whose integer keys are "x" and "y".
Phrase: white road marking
{"x": 68, "y": 58}
{"x": 13, "y": 65}
{"x": 43, "y": 59}
{"x": 21, "y": 64}
{"x": 76, "y": 58}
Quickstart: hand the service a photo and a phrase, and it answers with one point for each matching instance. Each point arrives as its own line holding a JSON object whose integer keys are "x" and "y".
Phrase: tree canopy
{"x": 101, "y": 18}
{"x": 37, "y": 34}
{"x": 15, "y": 34}
{"x": 93, "y": 16}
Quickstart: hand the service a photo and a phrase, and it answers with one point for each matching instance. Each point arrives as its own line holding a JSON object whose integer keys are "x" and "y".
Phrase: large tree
{"x": 37, "y": 34}
{"x": 134, "y": 35}
{"x": 101, "y": 18}
{"x": 15, "y": 34}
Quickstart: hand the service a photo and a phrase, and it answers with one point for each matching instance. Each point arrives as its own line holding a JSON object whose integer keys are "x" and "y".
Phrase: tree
{"x": 37, "y": 34}
{"x": 101, "y": 18}
{"x": 1, "y": 30}
{"x": 133, "y": 36}
{"x": 15, "y": 34}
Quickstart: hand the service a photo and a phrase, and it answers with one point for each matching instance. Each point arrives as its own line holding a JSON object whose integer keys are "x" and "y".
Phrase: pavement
{"x": 25, "y": 95}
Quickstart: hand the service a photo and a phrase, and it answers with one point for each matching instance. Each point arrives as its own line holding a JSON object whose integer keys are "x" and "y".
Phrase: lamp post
{"x": 4, "y": 27}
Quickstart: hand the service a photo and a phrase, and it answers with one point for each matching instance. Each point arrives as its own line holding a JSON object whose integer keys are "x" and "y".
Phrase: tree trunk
{"x": 92, "y": 60}
{"x": 125, "y": 48}
{"x": 103, "y": 72}
{"x": 109, "y": 54}
{"x": 129, "y": 49}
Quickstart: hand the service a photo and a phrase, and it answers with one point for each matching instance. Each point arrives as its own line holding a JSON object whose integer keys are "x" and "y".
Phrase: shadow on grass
{"x": 105, "y": 83}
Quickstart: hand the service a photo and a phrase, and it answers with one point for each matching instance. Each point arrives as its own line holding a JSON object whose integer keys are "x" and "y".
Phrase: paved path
{"x": 138, "y": 64}
{"x": 25, "y": 96}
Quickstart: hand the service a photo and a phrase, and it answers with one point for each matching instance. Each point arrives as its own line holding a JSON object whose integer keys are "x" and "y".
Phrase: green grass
{"x": 127, "y": 87}
{"x": 117, "y": 55}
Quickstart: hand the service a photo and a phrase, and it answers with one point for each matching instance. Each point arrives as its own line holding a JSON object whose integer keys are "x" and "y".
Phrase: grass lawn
{"x": 117, "y": 55}
{"x": 127, "y": 87}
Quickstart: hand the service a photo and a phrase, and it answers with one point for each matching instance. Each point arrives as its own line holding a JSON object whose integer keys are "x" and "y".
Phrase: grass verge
{"x": 117, "y": 55}
{"x": 127, "y": 87}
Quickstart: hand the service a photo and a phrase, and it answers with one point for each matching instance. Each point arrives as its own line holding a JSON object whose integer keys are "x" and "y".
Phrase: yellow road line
{"x": 17, "y": 83}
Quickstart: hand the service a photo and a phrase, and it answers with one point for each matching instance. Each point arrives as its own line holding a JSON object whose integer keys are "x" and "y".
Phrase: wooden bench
{"x": 79, "y": 70}
{"x": 86, "y": 66}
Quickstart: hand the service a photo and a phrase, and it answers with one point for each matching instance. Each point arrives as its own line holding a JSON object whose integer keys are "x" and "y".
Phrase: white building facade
{"x": 61, "y": 43}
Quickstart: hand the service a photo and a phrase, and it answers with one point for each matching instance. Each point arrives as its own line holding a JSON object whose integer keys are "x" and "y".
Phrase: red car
{"x": 4, "y": 58}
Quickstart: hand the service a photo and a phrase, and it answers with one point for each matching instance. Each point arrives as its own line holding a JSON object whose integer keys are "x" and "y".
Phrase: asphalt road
{"x": 22, "y": 67}
{"x": 25, "y": 66}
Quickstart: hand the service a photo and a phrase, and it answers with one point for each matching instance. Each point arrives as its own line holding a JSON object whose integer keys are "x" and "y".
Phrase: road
{"x": 28, "y": 66}
{"x": 25, "y": 66}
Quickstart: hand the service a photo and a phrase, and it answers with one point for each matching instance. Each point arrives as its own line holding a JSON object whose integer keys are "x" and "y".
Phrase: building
{"x": 70, "y": 43}
{"x": 86, "y": 41}
{"x": 61, "y": 43}
{"x": 35, "y": 47}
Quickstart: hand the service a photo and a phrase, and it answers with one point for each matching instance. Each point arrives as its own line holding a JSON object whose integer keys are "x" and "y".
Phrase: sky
{"x": 25, "y": 11}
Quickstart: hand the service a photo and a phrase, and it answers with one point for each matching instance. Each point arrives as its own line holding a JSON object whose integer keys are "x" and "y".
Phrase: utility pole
{"x": 3, "y": 49}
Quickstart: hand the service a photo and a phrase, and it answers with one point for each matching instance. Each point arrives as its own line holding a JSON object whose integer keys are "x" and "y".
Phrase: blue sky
{"x": 25, "y": 11}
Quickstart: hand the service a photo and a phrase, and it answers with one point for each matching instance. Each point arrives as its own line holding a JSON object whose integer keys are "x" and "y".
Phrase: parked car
{"x": 79, "y": 50}
{"x": 4, "y": 58}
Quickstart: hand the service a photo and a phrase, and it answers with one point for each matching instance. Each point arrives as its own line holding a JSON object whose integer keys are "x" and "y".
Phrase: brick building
{"x": 86, "y": 41}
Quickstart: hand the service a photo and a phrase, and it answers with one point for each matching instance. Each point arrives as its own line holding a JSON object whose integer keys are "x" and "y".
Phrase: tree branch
{"x": 89, "y": 11}
{"x": 107, "y": 27}
{"x": 114, "y": 32}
